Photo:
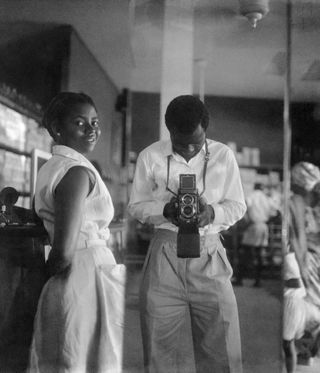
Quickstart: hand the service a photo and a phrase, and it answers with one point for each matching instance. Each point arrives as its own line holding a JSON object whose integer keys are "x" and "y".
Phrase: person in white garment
{"x": 173, "y": 288}
{"x": 255, "y": 238}
{"x": 300, "y": 314}
{"x": 78, "y": 327}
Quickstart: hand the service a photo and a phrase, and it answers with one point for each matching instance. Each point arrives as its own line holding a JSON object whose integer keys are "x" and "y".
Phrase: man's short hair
{"x": 185, "y": 113}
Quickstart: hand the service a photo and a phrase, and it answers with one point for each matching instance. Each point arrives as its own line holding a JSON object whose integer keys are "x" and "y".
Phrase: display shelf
{"x": 19, "y": 103}
{"x": 20, "y": 134}
{"x": 264, "y": 167}
{"x": 23, "y": 230}
{"x": 23, "y": 194}
{"x": 268, "y": 175}
{"x": 14, "y": 150}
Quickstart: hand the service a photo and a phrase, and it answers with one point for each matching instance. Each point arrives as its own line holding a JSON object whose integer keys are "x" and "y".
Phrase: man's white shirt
{"x": 223, "y": 188}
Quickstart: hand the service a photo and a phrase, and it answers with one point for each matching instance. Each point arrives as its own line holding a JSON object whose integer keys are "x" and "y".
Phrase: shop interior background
{"x": 114, "y": 51}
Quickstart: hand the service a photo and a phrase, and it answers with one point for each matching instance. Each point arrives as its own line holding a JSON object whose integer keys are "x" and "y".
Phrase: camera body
{"x": 188, "y": 241}
{"x": 188, "y": 199}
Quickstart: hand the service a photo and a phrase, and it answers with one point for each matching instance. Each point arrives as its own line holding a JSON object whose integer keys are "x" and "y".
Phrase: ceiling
{"x": 126, "y": 39}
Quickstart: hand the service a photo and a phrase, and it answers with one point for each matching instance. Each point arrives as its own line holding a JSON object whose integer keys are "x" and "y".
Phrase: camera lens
{"x": 187, "y": 199}
{"x": 188, "y": 211}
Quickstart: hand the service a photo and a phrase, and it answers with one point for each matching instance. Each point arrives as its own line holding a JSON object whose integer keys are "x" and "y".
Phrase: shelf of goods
{"x": 269, "y": 176}
{"x": 20, "y": 133}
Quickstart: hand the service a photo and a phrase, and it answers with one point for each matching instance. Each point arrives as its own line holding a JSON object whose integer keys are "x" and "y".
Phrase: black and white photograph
{"x": 159, "y": 186}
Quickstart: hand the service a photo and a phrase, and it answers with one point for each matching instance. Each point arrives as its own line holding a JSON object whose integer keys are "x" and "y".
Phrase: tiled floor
{"x": 260, "y": 325}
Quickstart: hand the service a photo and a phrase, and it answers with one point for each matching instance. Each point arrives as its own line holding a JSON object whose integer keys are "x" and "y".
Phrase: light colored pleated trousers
{"x": 173, "y": 287}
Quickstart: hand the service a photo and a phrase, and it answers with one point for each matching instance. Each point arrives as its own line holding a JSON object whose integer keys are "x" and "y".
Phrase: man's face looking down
{"x": 188, "y": 145}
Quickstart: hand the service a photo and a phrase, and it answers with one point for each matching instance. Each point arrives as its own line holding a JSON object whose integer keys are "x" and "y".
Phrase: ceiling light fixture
{"x": 254, "y": 10}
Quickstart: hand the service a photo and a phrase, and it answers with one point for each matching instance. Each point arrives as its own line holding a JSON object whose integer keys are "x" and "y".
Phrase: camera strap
{"x": 206, "y": 160}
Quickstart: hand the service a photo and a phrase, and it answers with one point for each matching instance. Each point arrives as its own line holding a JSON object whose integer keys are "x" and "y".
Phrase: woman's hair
{"x": 304, "y": 176}
{"x": 185, "y": 113}
{"x": 59, "y": 107}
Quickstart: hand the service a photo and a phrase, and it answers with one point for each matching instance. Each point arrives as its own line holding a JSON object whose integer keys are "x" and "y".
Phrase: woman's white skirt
{"x": 79, "y": 322}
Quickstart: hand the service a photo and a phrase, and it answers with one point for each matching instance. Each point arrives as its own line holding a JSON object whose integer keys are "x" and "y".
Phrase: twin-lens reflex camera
{"x": 188, "y": 240}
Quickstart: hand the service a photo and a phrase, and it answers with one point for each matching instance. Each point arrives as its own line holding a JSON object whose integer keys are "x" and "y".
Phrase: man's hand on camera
{"x": 206, "y": 215}
{"x": 170, "y": 211}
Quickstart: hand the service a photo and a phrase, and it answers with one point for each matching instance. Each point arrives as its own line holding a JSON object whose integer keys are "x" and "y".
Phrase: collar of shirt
{"x": 168, "y": 150}
{"x": 67, "y": 152}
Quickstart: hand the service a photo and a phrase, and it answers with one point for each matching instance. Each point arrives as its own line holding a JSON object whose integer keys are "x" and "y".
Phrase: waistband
{"x": 86, "y": 244}
{"x": 205, "y": 240}
{"x": 98, "y": 250}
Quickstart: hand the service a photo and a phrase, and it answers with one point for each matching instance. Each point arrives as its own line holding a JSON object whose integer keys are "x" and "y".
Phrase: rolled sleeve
{"x": 218, "y": 213}
{"x": 232, "y": 207}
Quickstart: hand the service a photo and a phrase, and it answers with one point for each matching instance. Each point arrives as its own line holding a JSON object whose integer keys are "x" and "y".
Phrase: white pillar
{"x": 201, "y": 65}
{"x": 177, "y": 55}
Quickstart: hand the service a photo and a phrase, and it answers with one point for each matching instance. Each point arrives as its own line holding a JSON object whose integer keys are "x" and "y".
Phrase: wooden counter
{"x": 22, "y": 276}
{"x": 26, "y": 230}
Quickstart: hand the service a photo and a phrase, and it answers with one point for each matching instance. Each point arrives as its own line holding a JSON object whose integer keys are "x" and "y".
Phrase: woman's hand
{"x": 56, "y": 265}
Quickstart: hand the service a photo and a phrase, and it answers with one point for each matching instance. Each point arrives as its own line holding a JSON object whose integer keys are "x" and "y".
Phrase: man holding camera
{"x": 189, "y": 188}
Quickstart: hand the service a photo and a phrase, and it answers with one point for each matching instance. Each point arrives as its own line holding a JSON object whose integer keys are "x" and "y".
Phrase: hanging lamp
{"x": 254, "y": 10}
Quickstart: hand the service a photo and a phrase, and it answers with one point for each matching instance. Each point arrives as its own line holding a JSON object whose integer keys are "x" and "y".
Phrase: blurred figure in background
{"x": 276, "y": 194}
{"x": 301, "y": 316}
{"x": 313, "y": 244}
{"x": 260, "y": 208}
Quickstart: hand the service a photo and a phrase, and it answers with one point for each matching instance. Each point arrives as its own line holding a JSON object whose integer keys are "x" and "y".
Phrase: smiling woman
{"x": 76, "y": 208}
{"x": 80, "y": 129}
{"x": 72, "y": 120}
